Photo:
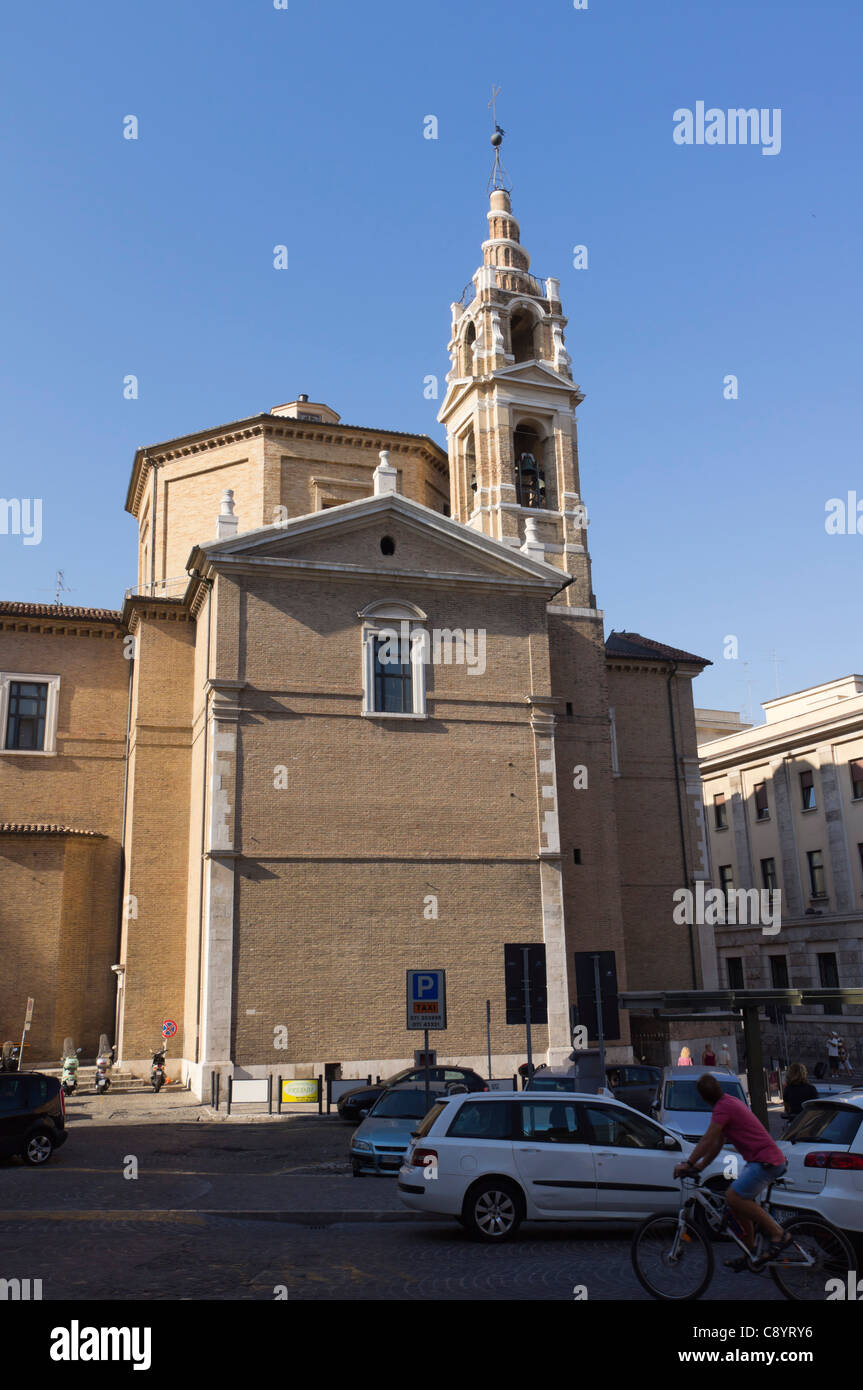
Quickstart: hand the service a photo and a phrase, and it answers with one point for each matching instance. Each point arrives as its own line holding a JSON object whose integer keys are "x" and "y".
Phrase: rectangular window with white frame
{"x": 395, "y": 652}
{"x": 28, "y": 713}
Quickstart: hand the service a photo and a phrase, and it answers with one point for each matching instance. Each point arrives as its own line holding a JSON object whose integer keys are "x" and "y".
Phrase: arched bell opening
{"x": 529, "y": 452}
{"x": 467, "y": 349}
{"x": 523, "y": 330}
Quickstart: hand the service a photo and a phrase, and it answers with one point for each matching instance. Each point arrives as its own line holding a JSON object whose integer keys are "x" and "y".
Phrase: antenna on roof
{"x": 62, "y": 588}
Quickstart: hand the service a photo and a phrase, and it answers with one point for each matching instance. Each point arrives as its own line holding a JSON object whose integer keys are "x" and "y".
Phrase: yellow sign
{"x": 299, "y": 1092}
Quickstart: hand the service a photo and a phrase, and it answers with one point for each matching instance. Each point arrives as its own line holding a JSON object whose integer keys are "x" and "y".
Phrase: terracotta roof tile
{"x": 632, "y": 644}
{"x": 58, "y": 610}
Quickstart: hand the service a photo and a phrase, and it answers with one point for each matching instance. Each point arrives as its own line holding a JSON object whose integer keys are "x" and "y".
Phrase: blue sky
{"x": 304, "y": 126}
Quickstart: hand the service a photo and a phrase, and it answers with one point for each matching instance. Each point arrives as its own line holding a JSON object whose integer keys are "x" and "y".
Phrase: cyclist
{"x": 733, "y": 1122}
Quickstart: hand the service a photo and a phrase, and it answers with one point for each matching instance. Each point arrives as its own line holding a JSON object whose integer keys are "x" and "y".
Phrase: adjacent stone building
{"x": 784, "y": 804}
{"x": 358, "y": 715}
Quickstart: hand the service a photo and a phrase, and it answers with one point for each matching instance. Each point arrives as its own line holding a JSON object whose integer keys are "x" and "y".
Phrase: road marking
{"x": 303, "y": 1169}
{"x": 186, "y": 1218}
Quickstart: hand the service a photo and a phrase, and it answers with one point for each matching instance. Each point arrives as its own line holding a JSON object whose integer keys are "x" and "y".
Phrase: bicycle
{"x": 673, "y": 1257}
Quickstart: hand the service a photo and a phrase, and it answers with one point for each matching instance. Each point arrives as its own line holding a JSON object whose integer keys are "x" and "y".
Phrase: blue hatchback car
{"x": 380, "y": 1143}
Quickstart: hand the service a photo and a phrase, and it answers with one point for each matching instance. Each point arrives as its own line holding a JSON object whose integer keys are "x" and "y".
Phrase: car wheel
{"x": 493, "y": 1210}
{"x": 38, "y": 1149}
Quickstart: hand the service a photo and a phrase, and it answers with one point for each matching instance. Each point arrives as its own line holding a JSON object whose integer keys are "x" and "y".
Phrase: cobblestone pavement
{"x": 194, "y": 1257}
{"x": 89, "y": 1232}
{"x": 188, "y": 1257}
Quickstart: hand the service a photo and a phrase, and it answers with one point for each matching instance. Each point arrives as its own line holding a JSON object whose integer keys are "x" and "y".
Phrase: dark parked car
{"x": 32, "y": 1116}
{"x": 354, "y": 1105}
{"x": 636, "y": 1084}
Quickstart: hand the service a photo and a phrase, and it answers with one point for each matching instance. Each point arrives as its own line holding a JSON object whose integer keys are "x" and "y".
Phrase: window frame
{"x": 762, "y": 812}
{"x": 814, "y": 871}
{"x": 379, "y": 619}
{"x": 49, "y": 743}
{"x": 720, "y": 811}
{"x": 810, "y": 787}
{"x": 852, "y": 764}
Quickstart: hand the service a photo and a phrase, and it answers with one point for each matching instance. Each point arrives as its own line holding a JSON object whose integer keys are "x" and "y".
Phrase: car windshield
{"x": 399, "y": 1076}
{"x": 825, "y": 1124}
{"x": 400, "y": 1105}
{"x": 683, "y": 1095}
{"x": 554, "y": 1083}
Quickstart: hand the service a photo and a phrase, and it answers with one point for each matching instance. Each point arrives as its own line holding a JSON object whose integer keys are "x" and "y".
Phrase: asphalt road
{"x": 90, "y": 1230}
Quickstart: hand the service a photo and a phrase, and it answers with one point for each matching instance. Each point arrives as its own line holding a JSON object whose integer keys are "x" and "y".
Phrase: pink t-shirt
{"x": 745, "y": 1132}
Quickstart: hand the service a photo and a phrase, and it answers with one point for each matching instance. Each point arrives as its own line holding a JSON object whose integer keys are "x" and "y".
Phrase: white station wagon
{"x": 493, "y": 1160}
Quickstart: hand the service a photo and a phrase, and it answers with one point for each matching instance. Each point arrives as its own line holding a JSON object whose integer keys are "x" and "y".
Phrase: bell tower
{"x": 510, "y": 405}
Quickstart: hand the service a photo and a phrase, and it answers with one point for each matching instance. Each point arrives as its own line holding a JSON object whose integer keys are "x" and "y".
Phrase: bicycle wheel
{"x": 829, "y": 1250}
{"x": 671, "y": 1278}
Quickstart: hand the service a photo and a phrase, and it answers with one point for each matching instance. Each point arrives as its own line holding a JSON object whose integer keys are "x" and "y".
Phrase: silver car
{"x": 679, "y": 1106}
{"x": 380, "y": 1143}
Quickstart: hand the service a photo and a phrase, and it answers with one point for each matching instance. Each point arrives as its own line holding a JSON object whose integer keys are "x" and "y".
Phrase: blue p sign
{"x": 426, "y": 998}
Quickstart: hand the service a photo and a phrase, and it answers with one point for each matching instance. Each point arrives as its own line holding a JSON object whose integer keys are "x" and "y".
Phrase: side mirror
{"x": 363, "y": 1114}
{"x": 669, "y": 1142}
{"x": 77, "y": 1050}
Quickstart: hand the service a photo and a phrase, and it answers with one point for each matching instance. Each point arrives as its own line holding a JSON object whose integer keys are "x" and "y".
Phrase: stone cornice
{"x": 278, "y": 427}
{"x": 109, "y": 629}
{"x": 779, "y": 743}
{"x": 138, "y": 606}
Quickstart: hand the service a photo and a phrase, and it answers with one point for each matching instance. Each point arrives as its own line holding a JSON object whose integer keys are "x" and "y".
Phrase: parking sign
{"x": 426, "y": 999}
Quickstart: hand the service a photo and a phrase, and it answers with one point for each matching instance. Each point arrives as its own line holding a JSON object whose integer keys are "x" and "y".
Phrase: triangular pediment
{"x": 348, "y": 538}
{"x": 532, "y": 375}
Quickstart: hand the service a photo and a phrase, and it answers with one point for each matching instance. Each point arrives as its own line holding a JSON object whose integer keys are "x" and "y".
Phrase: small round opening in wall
{"x": 388, "y": 545}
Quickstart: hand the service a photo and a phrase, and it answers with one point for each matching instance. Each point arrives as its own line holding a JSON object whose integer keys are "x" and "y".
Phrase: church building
{"x": 359, "y": 715}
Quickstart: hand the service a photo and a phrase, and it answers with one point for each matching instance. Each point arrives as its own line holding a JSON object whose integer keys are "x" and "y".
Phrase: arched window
{"x": 522, "y": 328}
{"x": 395, "y": 648}
{"x": 529, "y": 453}
{"x": 467, "y": 349}
{"x": 470, "y": 461}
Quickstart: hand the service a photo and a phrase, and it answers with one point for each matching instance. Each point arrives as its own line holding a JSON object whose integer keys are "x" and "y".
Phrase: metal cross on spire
{"x": 499, "y": 177}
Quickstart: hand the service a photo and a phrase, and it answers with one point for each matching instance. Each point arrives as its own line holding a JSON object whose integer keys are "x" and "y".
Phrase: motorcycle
{"x": 69, "y": 1078}
{"x": 104, "y": 1063}
{"x": 157, "y": 1072}
{"x": 9, "y": 1057}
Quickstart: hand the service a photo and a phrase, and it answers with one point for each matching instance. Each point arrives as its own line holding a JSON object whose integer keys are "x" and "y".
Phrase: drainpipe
{"x": 672, "y": 673}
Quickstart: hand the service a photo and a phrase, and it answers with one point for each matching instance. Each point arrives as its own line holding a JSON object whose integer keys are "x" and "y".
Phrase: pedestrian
{"x": 725, "y": 1057}
{"x": 685, "y": 1058}
{"x": 833, "y": 1052}
{"x": 708, "y": 1057}
{"x": 844, "y": 1059}
{"x": 797, "y": 1089}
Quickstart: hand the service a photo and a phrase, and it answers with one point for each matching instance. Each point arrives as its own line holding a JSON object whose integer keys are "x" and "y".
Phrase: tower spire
{"x": 499, "y": 177}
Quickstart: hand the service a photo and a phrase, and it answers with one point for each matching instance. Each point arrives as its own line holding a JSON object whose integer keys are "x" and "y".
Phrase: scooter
{"x": 104, "y": 1063}
{"x": 69, "y": 1078}
{"x": 9, "y": 1057}
{"x": 157, "y": 1072}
